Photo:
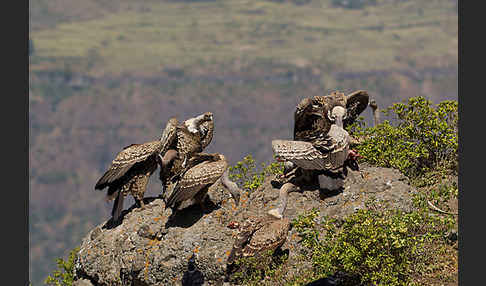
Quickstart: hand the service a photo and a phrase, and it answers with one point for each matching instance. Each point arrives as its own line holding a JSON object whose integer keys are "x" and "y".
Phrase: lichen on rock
{"x": 192, "y": 248}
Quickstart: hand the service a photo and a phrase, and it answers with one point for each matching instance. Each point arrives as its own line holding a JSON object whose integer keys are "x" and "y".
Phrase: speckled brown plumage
{"x": 314, "y": 124}
{"x": 192, "y": 136}
{"x": 306, "y": 156}
{"x": 321, "y": 144}
{"x": 258, "y": 234}
{"x": 195, "y": 182}
{"x": 130, "y": 170}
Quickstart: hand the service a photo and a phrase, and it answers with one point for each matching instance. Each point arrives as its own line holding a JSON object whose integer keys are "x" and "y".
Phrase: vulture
{"x": 321, "y": 144}
{"x": 132, "y": 167}
{"x": 192, "y": 136}
{"x": 320, "y": 140}
{"x": 313, "y": 118}
{"x": 256, "y": 235}
{"x": 193, "y": 185}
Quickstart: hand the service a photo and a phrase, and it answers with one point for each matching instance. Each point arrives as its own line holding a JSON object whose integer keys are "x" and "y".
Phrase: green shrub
{"x": 246, "y": 174}
{"x": 372, "y": 246}
{"x": 423, "y": 139}
{"x": 252, "y": 270}
{"x": 64, "y": 275}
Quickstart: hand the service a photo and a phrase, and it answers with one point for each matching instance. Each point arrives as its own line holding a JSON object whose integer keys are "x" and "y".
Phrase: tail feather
{"x": 173, "y": 196}
{"x": 117, "y": 206}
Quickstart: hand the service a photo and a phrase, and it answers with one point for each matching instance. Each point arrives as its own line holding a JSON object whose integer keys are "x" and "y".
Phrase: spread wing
{"x": 168, "y": 135}
{"x": 310, "y": 120}
{"x": 195, "y": 179}
{"x": 356, "y": 103}
{"x": 305, "y": 155}
{"x": 124, "y": 160}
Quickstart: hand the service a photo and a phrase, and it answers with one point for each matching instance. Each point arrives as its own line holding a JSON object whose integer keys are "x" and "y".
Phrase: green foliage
{"x": 246, "y": 174}
{"x": 64, "y": 275}
{"x": 371, "y": 246}
{"x": 425, "y": 137}
{"x": 252, "y": 270}
{"x": 439, "y": 195}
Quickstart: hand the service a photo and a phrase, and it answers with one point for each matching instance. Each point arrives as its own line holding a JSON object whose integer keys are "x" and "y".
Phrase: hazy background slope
{"x": 106, "y": 74}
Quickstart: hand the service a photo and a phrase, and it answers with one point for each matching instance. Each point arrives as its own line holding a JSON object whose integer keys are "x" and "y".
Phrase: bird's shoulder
{"x": 136, "y": 152}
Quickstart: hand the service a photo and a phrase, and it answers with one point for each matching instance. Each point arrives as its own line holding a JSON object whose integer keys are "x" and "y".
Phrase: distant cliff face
{"x": 192, "y": 250}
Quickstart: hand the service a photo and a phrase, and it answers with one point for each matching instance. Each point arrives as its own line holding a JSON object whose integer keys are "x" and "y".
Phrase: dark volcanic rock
{"x": 192, "y": 248}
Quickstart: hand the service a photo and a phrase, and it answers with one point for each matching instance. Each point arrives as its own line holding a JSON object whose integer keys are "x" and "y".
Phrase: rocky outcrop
{"x": 191, "y": 248}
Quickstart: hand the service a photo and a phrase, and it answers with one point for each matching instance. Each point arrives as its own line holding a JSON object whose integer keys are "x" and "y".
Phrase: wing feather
{"x": 306, "y": 156}
{"x": 195, "y": 179}
{"x": 168, "y": 135}
{"x": 310, "y": 119}
{"x": 356, "y": 103}
{"x": 125, "y": 160}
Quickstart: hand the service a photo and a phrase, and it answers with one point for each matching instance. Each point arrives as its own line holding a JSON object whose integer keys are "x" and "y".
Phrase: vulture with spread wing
{"x": 320, "y": 140}
{"x": 321, "y": 144}
{"x": 192, "y": 136}
{"x": 130, "y": 170}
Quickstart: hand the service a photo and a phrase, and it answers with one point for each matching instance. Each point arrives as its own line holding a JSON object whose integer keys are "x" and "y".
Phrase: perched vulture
{"x": 258, "y": 234}
{"x": 194, "y": 183}
{"x": 130, "y": 170}
{"x": 314, "y": 117}
{"x": 192, "y": 136}
{"x": 321, "y": 143}
{"x": 320, "y": 121}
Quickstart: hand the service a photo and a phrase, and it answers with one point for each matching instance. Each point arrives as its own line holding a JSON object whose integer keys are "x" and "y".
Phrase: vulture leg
{"x": 283, "y": 197}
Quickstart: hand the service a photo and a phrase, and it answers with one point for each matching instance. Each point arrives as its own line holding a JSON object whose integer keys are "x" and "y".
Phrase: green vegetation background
{"x": 105, "y": 74}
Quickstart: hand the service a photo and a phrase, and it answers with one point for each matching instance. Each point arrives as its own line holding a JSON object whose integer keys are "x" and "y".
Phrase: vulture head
{"x": 337, "y": 115}
{"x": 194, "y": 125}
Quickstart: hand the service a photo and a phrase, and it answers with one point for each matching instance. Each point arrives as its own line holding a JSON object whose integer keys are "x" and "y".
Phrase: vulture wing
{"x": 195, "y": 179}
{"x": 356, "y": 103}
{"x": 168, "y": 135}
{"x": 310, "y": 120}
{"x": 244, "y": 236}
{"x": 305, "y": 155}
{"x": 124, "y": 160}
{"x": 269, "y": 237}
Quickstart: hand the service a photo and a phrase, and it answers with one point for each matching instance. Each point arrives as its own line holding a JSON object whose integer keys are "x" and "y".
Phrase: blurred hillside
{"x": 105, "y": 74}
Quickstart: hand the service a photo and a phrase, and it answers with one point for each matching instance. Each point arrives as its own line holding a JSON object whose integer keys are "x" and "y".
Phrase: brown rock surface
{"x": 192, "y": 249}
